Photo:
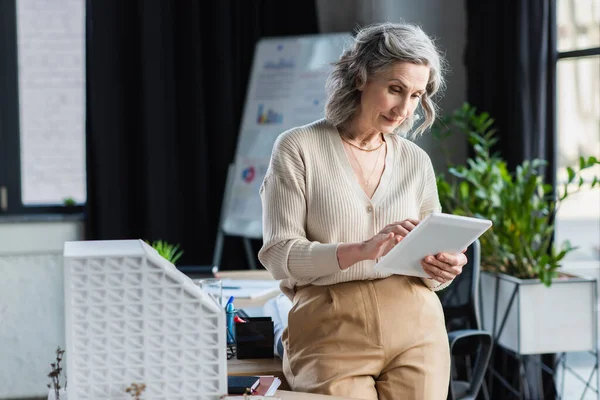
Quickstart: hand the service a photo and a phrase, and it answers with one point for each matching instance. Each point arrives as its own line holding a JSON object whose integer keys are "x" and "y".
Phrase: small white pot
{"x": 62, "y": 393}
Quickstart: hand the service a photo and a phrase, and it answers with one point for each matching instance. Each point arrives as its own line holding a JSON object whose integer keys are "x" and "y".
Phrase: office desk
{"x": 255, "y": 366}
{"x": 258, "y": 367}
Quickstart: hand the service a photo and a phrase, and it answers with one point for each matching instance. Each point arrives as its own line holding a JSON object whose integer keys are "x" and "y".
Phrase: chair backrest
{"x": 461, "y": 299}
{"x": 470, "y": 351}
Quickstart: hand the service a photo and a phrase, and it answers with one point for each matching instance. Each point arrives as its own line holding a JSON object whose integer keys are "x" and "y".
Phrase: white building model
{"x": 132, "y": 317}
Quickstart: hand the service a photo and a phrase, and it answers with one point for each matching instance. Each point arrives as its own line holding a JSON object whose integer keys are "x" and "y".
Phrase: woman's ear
{"x": 359, "y": 84}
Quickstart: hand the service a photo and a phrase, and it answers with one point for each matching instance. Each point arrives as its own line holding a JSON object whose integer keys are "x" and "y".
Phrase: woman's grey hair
{"x": 376, "y": 48}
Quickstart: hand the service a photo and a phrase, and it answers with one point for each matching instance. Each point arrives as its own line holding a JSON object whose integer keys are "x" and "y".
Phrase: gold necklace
{"x": 360, "y": 148}
{"x": 374, "y": 167}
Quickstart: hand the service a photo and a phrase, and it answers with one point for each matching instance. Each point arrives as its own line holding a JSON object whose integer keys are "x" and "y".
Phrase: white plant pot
{"x": 540, "y": 319}
{"x": 62, "y": 393}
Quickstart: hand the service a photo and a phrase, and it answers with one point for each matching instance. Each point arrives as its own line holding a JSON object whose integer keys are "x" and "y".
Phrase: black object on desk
{"x": 242, "y": 384}
{"x": 254, "y": 338}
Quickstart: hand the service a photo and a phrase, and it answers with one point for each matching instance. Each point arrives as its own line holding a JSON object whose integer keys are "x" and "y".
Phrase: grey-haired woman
{"x": 340, "y": 193}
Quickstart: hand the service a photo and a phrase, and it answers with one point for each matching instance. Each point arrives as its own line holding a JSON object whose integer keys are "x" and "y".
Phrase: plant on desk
{"x": 55, "y": 388}
{"x": 171, "y": 252}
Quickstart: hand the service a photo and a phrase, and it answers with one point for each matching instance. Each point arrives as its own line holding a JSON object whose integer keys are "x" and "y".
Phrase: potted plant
{"x": 170, "y": 252}
{"x": 524, "y": 294}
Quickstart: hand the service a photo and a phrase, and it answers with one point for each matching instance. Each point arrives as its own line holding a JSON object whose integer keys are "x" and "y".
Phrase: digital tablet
{"x": 436, "y": 233}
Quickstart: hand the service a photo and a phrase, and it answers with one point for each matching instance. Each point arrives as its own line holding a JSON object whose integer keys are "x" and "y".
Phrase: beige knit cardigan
{"x": 312, "y": 202}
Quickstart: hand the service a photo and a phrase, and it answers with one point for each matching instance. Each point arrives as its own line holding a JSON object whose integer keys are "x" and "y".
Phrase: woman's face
{"x": 390, "y": 97}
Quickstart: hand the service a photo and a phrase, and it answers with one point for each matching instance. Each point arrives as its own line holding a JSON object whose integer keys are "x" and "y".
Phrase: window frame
{"x": 558, "y": 57}
{"x": 10, "y": 133}
{"x": 572, "y": 54}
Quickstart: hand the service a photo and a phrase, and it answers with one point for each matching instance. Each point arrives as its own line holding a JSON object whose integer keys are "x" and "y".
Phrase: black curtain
{"x": 166, "y": 84}
{"x": 510, "y": 60}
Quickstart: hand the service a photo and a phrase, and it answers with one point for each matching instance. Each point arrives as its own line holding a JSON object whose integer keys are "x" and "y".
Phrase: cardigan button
{"x": 369, "y": 209}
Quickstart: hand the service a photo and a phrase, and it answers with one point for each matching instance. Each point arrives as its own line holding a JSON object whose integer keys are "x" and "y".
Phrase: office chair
{"x": 460, "y": 302}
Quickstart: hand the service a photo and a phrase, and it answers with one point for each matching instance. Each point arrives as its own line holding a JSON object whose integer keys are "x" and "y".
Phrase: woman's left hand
{"x": 444, "y": 267}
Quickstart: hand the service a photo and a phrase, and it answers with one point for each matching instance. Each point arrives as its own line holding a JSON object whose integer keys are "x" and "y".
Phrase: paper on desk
{"x": 274, "y": 386}
{"x": 246, "y": 288}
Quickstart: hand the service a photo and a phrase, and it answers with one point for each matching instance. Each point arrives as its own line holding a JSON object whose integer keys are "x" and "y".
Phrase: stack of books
{"x": 253, "y": 385}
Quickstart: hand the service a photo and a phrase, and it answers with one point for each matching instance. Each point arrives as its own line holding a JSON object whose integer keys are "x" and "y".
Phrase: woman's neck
{"x": 362, "y": 137}
{"x": 368, "y": 139}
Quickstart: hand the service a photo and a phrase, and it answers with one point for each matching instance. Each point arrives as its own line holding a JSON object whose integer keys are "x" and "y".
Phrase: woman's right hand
{"x": 380, "y": 244}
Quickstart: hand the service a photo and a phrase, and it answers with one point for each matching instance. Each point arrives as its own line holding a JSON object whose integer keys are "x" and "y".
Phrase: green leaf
{"x": 170, "y": 252}
{"x": 571, "y": 174}
{"x": 583, "y": 163}
{"x": 478, "y": 149}
{"x": 456, "y": 172}
{"x": 464, "y": 189}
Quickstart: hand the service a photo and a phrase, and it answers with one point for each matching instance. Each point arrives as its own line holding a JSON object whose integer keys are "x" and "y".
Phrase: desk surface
{"x": 246, "y": 274}
{"x": 255, "y": 366}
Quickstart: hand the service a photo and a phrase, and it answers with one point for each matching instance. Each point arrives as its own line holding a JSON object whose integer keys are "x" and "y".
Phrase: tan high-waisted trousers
{"x": 382, "y": 339}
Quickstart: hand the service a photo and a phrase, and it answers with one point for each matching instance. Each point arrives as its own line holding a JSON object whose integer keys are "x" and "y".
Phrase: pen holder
{"x": 255, "y": 338}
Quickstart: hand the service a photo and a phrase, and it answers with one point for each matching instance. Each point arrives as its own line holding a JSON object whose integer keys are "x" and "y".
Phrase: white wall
{"x": 32, "y": 322}
{"x": 442, "y": 19}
